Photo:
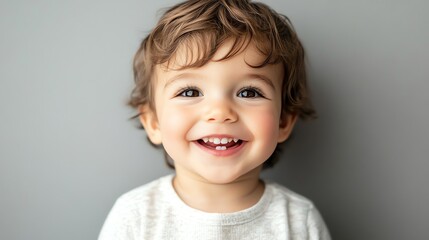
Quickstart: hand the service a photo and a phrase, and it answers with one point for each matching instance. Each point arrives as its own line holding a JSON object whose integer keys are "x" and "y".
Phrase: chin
{"x": 222, "y": 177}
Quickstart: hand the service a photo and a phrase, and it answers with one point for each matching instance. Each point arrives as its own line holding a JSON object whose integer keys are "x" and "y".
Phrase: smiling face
{"x": 221, "y": 121}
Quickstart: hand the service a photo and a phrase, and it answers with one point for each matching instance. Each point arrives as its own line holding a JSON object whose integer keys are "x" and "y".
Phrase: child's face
{"x": 219, "y": 122}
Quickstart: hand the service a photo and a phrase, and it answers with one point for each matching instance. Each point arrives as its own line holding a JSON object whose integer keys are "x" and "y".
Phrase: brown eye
{"x": 249, "y": 93}
{"x": 190, "y": 93}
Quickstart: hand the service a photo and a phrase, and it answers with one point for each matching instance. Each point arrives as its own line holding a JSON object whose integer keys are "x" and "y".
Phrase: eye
{"x": 249, "y": 92}
{"x": 189, "y": 92}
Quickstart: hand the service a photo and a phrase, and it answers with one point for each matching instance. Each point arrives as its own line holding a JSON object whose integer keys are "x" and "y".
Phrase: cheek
{"x": 171, "y": 121}
{"x": 265, "y": 122}
{"x": 174, "y": 124}
{"x": 264, "y": 126}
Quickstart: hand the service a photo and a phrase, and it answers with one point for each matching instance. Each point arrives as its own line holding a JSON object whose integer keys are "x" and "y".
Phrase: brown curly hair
{"x": 207, "y": 24}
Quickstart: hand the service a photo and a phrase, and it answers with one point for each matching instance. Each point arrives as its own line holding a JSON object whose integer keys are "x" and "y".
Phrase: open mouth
{"x": 220, "y": 144}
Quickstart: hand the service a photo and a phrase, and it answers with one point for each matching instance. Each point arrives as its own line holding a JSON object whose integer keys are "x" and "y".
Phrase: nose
{"x": 221, "y": 111}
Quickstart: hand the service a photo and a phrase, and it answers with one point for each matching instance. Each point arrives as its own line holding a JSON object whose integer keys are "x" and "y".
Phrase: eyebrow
{"x": 181, "y": 76}
{"x": 254, "y": 76}
{"x": 264, "y": 78}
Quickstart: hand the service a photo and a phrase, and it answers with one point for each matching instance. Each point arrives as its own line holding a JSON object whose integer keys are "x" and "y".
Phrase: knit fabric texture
{"x": 155, "y": 211}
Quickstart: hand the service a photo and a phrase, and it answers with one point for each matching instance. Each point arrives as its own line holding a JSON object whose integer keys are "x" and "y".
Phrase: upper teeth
{"x": 219, "y": 140}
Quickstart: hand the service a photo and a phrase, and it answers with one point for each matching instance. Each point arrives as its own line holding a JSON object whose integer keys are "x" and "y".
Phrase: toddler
{"x": 219, "y": 84}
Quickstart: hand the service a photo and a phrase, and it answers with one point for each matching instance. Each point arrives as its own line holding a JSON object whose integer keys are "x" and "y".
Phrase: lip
{"x": 220, "y": 136}
{"x": 221, "y": 153}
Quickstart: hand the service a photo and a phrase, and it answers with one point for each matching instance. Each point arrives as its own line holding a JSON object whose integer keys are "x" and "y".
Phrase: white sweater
{"x": 155, "y": 211}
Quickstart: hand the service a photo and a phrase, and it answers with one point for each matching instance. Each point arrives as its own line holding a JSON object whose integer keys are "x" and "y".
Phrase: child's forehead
{"x": 189, "y": 53}
{"x": 239, "y": 66}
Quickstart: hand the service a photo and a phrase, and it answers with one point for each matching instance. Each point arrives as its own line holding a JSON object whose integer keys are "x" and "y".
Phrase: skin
{"x": 224, "y": 99}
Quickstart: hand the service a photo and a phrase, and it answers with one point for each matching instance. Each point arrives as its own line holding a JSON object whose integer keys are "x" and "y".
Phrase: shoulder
{"x": 133, "y": 209}
{"x": 136, "y": 197}
{"x": 300, "y": 213}
{"x": 284, "y": 195}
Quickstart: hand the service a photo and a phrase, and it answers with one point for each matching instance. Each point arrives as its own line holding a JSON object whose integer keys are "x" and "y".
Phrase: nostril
{"x": 220, "y": 120}
{"x": 221, "y": 114}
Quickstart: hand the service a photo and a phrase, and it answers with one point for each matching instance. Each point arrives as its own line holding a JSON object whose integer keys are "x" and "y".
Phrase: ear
{"x": 150, "y": 123}
{"x": 286, "y": 126}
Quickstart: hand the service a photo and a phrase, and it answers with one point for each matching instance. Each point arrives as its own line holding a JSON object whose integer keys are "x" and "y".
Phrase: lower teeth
{"x": 220, "y": 148}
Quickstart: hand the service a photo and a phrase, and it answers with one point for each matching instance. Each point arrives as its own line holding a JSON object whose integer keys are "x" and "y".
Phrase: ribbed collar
{"x": 221, "y": 219}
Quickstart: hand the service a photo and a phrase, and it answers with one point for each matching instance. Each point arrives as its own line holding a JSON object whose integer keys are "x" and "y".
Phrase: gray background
{"x": 67, "y": 150}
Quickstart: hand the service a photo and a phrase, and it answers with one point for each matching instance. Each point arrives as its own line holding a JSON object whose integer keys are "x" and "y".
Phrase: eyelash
{"x": 183, "y": 92}
{"x": 257, "y": 91}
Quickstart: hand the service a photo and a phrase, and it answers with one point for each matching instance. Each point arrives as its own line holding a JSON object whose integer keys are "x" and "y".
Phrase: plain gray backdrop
{"x": 68, "y": 150}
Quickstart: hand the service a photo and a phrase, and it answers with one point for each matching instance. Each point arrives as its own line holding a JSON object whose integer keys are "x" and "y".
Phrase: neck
{"x": 219, "y": 198}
